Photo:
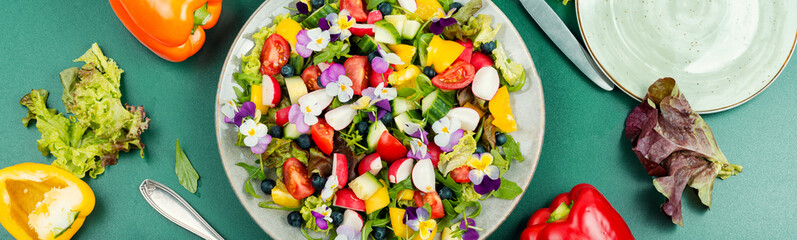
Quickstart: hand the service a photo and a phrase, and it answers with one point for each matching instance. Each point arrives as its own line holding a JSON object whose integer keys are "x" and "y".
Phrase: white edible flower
{"x": 443, "y": 129}
{"x": 253, "y": 132}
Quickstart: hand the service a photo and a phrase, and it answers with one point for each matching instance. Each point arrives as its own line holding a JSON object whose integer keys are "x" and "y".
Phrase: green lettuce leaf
{"x": 310, "y": 203}
{"x": 186, "y": 174}
{"x": 511, "y": 72}
{"x": 459, "y": 156}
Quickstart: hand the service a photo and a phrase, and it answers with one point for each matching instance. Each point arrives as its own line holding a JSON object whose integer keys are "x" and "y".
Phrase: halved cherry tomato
{"x": 294, "y": 175}
{"x": 468, "y": 52}
{"x": 434, "y": 153}
{"x": 434, "y": 202}
{"x": 356, "y": 9}
{"x": 457, "y": 76}
{"x": 479, "y": 60}
{"x": 322, "y": 135}
{"x": 376, "y": 78}
{"x": 310, "y": 78}
{"x": 276, "y": 51}
{"x": 356, "y": 67}
{"x": 282, "y": 116}
{"x": 460, "y": 174}
{"x": 390, "y": 148}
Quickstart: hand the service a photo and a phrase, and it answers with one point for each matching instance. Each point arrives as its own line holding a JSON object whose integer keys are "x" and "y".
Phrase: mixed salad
{"x": 383, "y": 119}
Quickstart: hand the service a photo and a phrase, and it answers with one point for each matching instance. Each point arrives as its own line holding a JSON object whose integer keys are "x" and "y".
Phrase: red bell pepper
{"x": 583, "y": 213}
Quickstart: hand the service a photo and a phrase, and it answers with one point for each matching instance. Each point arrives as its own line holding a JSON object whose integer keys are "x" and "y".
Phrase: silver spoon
{"x": 176, "y": 209}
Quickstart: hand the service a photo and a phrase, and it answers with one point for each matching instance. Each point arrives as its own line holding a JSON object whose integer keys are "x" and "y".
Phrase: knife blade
{"x": 556, "y": 30}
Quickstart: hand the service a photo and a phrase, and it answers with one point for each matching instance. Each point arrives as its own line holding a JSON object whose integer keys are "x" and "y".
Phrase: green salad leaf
{"x": 512, "y": 149}
{"x": 310, "y": 203}
{"x": 499, "y": 161}
{"x": 508, "y": 190}
{"x": 186, "y": 173}
{"x": 459, "y": 157}
{"x": 511, "y": 72}
{"x": 467, "y": 10}
{"x": 254, "y": 172}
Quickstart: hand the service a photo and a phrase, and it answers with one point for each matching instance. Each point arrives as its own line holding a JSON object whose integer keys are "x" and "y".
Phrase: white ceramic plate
{"x": 527, "y": 106}
{"x": 721, "y": 53}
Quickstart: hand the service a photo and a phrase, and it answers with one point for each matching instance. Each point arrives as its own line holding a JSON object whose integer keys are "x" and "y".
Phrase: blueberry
{"x": 379, "y": 233}
{"x": 385, "y": 8}
{"x": 455, "y": 5}
{"x": 362, "y": 128}
{"x": 429, "y": 71}
{"x": 445, "y": 193}
{"x": 337, "y": 217}
{"x": 318, "y": 181}
{"x": 267, "y": 185}
{"x": 480, "y": 149}
{"x": 500, "y": 139}
{"x": 316, "y": 3}
{"x": 488, "y": 47}
{"x": 387, "y": 119}
{"x": 295, "y": 219}
{"x": 373, "y": 55}
{"x": 303, "y": 141}
{"x": 275, "y": 131}
{"x": 288, "y": 70}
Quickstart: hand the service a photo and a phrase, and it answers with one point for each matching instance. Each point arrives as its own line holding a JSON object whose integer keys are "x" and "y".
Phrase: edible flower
{"x": 340, "y": 24}
{"x": 440, "y": 23}
{"x": 482, "y": 166}
{"x": 447, "y": 133}
{"x": 415, "y": 130}
{"x": 330, "y": 187}
{"x": 303, "y": 7}
{"x": 256, "y": 135}
{"x": 337, "y": 83}
{"x": 248, "y": 109}
{"x": 418, "y": 220}
{"x": 305, "y": 113}
{"x": 332, "y": 74}
{"x": 380, "y": 97}
{"x": 469, "y": 227}
{"x": 347, "y": 232}
{"x": 381, "y": 63}
{"x": 229, "y": 109}
{"x": 418, "y": 149}
{"x": 311, "y": 40}
{"x": 322, "y": 215}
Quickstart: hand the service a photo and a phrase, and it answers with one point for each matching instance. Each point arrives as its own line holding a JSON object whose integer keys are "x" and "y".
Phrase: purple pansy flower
{"x": 302, "y": 8}
{"x": 324, "y": 24}
{"x": 332, "y": 74}
{"x": 439, "y": 24}
{"x": 322, "y": 215}
{"x": 485, "y": 176}
{"x": 311, "y": 40}
{"x": 301, "y": 44}
{"x": 247, "y": 109}
{"x": 447, "y": 133}
{"x": 418, "y": 220}
{"x": 418, "y": 149}
{"x": 305, "y": 113}
{"x": 380, "y": 97}
{"x": 256, "y": 135}
{"x": 381, "y": 63}
{"x": 229, "y": 109}
{"x": 468, "y": 225}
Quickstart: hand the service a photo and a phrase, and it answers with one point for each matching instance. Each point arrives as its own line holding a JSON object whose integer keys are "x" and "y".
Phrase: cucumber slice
{"x": 365, "y": 186}
{"x": 374, "y": 133}
{"x": 290, "y": 131}
{"x": 435, "y": 106}
{"x": 385, "y": 32}
{"x": 397, "y": 21}
{"x": 411, "y": 28}
{"x": 312, "y": 20}
{"x": 296, "y": 88}
{"x": 401, "y": 105}
{"x": 421, "y": 42}
{"x": 367, "y": 44}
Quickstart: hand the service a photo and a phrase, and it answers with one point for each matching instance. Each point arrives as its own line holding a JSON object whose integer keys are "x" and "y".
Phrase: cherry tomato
{"x": 468, "y": 52}
{"x": 377, "y": 78}
{"x": 356, "y": 9}
{"x": 282, "y": 116}
{"x": 276, "y": 51}
{"x": 322, "y": 135}
{"x": 479, "y": 60}
{"x": 434, "y": 202}
{"x": 356, "y": 67}
{"x": 457, "y": 76}
{"x": 390, "y": 148}
{"x": 310, "y": 77}
{"x": 434, "y": 152}
{"x": 294, "y": 175}
{"x": 460, "y": 174}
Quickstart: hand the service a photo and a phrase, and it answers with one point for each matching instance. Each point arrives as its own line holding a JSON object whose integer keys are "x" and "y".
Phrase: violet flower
{"x": 257, "y": 138}
{"x": 380, "y": 97}
{"x": 302, "y": 8}
{"x": 332, "y": 74}
{"x": 418, "y": 149}
{"x": 468, "y": 225}
{"x": 440, "y": 24}
{"x": 485, "y": 176}
{"x": 247, "y": 109}
{"x": 347, "y": 232}
{"x": 381, "y": 63}
{"x": 305, "y": 113}
{"x": 447, "y": 133}
{"x": 418, "y": 220}
{"x": 322, "y": 215}
{"x": 302, "y": 39}
{"x": 229, "y": 109}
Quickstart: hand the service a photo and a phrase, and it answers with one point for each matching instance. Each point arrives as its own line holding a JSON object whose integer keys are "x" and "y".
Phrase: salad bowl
{"x": 527, "y": 105}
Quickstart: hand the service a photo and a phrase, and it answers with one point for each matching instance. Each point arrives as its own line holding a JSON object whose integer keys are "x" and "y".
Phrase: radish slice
{"x": 345, "y": 198}
{"x": 400, "y": 170}
{"x": 319, "y": 96}
{"x": 371, "y": 163}
{"x": 271, "y": 91}
{"x": 423, "y": 175}
{"x": 468, "y": 117}
{"x": 352, "y": 219}
{"x": 360, "y": 29}
{"x": 485, "y": 83}
{"x": 340, "y": 168}
{"x": 410, "y": 5}
{"x": 340, "y": 117}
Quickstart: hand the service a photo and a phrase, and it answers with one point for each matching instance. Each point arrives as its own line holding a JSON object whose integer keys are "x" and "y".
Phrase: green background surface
{"x": 583, "y": 135}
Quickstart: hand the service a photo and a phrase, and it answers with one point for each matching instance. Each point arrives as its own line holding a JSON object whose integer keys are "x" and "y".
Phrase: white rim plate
{"x": 721, "y": 53}
{"x": 530, "y": 116}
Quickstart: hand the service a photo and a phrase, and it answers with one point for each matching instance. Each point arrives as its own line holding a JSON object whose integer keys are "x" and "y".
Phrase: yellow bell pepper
{"x": 502, "y": 111}
{"x": 256, "y": 97}
{"x": 405, "y": 195}
{"x": 379, "y": 200}
{"x": 40, "y": 201}
{"x": 442, "y": 53}
{"x": 427, "y": 8}
{"x": 288, "y": 29}
{"x": 397, "y": 222}
{"x": 405, "y": 52}
{"x": 281, "y": 197}
{"x": 404, "y": 78}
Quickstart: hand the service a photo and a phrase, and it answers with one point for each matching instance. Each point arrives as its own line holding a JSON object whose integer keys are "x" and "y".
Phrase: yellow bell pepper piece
{"x": 256, "y": 97}
{"x": 41, "y": 201}
{"x": 405, "y": 195}
{"x": 405, "y": 78}
{"x": 281, "y": 197}
{"x": 405, "y": 52}
{"x": 397, "y": 222}
{"x": 502, "y": 111}
{"x": 379, "y": 200}
{"x": 288, "y": 29}
{"x": 442, "y": 53}
{"x": 427, "y": 8}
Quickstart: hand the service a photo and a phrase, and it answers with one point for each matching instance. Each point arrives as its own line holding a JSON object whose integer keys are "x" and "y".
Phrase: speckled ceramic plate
{"x": 722, "y": 53}
{"x": 527, "y": 106}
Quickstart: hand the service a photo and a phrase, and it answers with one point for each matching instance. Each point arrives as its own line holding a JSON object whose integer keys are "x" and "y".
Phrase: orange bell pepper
{"x": 174, "y": 30}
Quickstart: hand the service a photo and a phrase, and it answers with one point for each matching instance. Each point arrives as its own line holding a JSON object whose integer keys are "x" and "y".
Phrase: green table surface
{"x": 583, "y": 135}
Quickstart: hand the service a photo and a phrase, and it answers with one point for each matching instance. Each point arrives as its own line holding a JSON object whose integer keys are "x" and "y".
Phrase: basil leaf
{"x": 186, "y": 173}
{"x": 508, "y": 190}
